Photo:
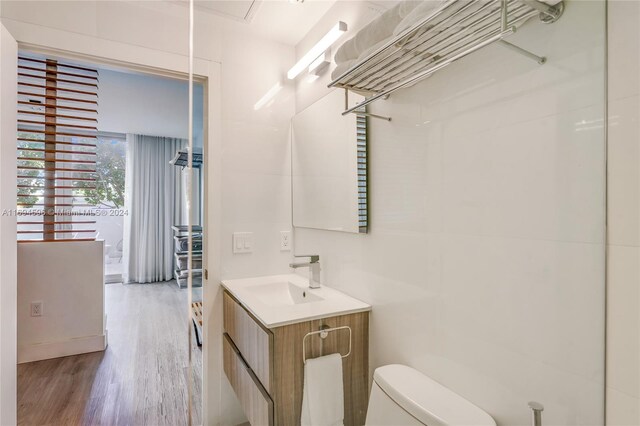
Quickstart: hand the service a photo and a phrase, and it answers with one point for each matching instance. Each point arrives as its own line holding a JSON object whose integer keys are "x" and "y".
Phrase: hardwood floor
{"x": 141, "y": 379}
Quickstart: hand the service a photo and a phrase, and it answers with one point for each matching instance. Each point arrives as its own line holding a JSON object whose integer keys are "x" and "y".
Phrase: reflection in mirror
{"x": 329, "y": 166}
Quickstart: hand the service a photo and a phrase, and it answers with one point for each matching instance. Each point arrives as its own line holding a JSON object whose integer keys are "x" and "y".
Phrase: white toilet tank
{"x": 402, "y": 396}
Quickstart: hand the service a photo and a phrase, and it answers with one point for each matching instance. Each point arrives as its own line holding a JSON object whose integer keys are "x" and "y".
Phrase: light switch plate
{"x": 285, "y": 240}
{"x": 242, "y": 242}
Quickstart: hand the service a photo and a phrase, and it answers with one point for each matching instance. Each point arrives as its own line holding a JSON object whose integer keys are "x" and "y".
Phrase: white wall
{"x": 8, "y": 321}
{"x": 147, "y": 105}
{"x": 252, "y": 159}
{"x": 73, "y": 299}
{"x": 485, "y": 258}
{"x": 256, "y": 179}
{"x": 623, "y": 297}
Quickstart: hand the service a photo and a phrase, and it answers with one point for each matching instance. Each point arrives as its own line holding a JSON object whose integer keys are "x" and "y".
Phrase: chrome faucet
{"x": 313, "y": 265}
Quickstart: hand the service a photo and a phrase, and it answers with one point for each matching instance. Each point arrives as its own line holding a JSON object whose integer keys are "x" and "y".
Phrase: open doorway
{"x": 140, "y": 132}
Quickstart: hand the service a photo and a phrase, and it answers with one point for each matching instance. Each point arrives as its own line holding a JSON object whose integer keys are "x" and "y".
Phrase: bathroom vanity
{"x": 271, "y": 324}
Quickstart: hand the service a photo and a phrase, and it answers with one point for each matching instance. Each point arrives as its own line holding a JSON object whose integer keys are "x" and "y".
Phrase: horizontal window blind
{"x": 57, "y": 134}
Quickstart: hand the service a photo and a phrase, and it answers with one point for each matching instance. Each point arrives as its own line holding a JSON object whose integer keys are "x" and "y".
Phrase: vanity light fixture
{"x": 320, "y": 63}
{"x": 318, "y": 66}
{"x": 268, "y": 97}
{"x": 320, "y": 47}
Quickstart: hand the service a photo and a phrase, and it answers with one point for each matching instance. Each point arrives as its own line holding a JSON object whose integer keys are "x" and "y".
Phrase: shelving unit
{"x": 181, "y": 252}
{"x": 197, "y": 315}
{"x": 453, "y": 31}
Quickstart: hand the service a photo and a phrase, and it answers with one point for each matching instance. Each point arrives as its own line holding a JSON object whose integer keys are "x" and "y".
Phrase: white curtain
{"x": 153, "y": 200}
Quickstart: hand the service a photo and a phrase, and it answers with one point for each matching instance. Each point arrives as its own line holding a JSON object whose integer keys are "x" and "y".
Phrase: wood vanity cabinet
{"x": 266, "y": 370}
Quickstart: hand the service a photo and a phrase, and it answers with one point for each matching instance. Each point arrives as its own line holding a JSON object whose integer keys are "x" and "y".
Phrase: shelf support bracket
{"x": 545, "y": 11}
{"x": 368, "y": 114}
{"x": 548, "y": 14}
{"x": 539, "y": 59}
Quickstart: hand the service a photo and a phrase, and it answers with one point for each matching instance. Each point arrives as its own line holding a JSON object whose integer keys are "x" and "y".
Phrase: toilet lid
{"x": 427, "y": 400}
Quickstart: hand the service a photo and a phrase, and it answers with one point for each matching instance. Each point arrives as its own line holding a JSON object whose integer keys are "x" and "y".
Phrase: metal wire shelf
{"x": 453, "y": 31}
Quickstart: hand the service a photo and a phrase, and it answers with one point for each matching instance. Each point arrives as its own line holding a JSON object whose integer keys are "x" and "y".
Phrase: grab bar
{"x": 324, "y": 332}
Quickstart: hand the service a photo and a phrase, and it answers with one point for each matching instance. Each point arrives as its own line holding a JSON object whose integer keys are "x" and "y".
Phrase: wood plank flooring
{"x": 141, "y": 379}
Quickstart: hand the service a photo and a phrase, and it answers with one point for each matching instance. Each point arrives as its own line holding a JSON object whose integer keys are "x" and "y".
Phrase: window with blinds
{"x": 56, "y": 160}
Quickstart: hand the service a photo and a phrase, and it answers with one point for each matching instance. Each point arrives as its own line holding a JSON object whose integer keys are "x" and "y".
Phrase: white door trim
{"x": 8, "y": 246}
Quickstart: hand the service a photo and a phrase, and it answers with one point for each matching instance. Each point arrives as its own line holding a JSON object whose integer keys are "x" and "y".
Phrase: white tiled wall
{"x": 256, "y": 177}
{"x": 485, "y": 259}
{"x": 623, "y": 319}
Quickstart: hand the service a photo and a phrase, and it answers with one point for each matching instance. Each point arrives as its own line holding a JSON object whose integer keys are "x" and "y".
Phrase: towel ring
{"x": 324, "y": 332}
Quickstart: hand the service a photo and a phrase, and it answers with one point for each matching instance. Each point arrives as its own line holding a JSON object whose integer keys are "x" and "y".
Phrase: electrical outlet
{"x": 36, "y": 309}
{"x": 285, "y": 240}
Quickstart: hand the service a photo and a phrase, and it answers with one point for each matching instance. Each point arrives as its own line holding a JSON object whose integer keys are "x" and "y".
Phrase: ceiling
{"x": 283, "y": 21}
{"x": 240, "y": 10}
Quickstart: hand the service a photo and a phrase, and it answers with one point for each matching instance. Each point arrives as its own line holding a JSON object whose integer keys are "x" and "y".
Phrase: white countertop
{"x": 334, "y": 302}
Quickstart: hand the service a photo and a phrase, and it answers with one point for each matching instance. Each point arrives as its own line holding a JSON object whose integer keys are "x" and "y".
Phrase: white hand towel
{"x": 416, "y": 14}
{"x": 323, "y": 393}
{"x": 375, "y": 31}
{"x": 342, "y": 67}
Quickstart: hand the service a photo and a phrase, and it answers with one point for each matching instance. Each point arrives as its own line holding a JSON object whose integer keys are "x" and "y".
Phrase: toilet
{"x": 402, "y": 396}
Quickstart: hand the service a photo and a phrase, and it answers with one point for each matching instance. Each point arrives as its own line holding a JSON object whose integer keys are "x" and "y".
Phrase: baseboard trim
{"x": 42, "y": 351}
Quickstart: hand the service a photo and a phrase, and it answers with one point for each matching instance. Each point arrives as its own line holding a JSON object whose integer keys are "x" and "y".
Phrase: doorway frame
{"x": 138, "y": 59}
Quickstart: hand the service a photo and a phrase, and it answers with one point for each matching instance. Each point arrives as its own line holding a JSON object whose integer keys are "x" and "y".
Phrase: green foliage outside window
{"x": 110, "y": 169}
{"x": 35, "y": 185}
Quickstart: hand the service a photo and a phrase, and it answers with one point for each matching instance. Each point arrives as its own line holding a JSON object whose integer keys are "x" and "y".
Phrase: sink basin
{"x": 282, "y": 294}
{"x": 278, "y": 300}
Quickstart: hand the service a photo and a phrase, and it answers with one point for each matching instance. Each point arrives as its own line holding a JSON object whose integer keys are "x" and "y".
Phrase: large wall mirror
{"x": 329, "y": 166}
